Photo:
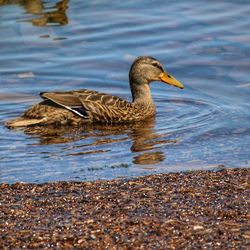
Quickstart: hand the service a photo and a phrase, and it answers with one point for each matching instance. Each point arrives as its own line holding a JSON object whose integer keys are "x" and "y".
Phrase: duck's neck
{"x": 141, "y": 93}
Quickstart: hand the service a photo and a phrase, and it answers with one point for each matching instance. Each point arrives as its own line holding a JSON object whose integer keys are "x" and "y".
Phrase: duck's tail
{"x": 23, "y": 122}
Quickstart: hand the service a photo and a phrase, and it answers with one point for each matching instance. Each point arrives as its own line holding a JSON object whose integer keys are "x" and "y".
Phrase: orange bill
{"x": 167, "y": 78}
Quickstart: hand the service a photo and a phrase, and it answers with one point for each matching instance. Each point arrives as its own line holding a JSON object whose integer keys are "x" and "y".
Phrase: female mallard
{"x": 81, "y": 106}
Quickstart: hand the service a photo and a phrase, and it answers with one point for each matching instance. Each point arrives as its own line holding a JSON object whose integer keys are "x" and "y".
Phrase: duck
{"x": 83, "y": 106}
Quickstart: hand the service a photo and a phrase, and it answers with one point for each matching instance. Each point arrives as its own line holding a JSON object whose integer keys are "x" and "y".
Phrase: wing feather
{"x": 92, "y": 104}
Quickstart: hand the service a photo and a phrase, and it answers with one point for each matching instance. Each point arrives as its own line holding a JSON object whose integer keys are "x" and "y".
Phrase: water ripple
{"x": 90, "y": 44}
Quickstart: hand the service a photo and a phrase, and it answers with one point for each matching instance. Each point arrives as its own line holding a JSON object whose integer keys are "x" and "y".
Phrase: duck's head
{"x": 146, "y": 69}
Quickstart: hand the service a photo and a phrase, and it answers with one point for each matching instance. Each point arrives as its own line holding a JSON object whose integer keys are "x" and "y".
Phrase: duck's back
{"x": 80, "y": 106}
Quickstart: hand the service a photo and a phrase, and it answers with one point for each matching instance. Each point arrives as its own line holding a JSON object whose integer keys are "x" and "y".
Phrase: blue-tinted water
{"x": 64, "y": 45}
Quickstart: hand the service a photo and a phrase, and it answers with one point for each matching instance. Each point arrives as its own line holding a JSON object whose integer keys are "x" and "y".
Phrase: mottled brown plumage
{"x": 88, "y": 106}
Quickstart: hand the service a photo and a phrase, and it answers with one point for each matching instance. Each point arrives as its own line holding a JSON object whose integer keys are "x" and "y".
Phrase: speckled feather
{"x": 93, "y": 106}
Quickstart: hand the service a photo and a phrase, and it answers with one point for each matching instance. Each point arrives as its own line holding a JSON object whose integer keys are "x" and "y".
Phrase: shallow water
{"x": 63, "y": 45}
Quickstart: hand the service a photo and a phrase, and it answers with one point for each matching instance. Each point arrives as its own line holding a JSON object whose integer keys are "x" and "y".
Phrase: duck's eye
{"x": 157, "y": 66}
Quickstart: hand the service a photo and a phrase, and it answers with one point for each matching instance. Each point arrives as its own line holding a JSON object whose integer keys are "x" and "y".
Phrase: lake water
{"x": 64, "y": 45}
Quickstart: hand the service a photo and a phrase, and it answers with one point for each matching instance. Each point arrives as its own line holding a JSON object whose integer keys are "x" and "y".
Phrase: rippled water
{"x": 64, "y": 45}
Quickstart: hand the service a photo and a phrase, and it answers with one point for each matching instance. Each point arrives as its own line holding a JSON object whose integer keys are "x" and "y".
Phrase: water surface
{"x": 64, "y": 45}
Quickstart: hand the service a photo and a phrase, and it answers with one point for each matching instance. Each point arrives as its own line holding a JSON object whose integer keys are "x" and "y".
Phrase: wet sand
{"x": 193, "y": 210}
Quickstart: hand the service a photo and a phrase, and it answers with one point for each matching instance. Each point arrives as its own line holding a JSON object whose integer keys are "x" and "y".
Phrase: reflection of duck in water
{"x": 87, "y": 106}
{"x": 36, "y": 7}
{"x": 146, "y": 143}
{"x": 58, "y": 16}
{"x": 31, "y": 6}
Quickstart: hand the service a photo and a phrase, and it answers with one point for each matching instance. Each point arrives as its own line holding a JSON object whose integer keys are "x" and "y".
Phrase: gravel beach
{"x": 191, "y": 210}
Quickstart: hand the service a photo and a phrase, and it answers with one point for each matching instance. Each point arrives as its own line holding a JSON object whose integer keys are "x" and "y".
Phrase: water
{"x": 64, "y": 45}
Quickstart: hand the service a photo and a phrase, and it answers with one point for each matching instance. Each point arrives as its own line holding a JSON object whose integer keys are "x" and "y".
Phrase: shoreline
{"x": 197, "y": 209}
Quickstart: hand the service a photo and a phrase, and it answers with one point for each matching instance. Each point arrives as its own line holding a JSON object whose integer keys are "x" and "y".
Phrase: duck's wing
{"x": 92, "y": 105}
